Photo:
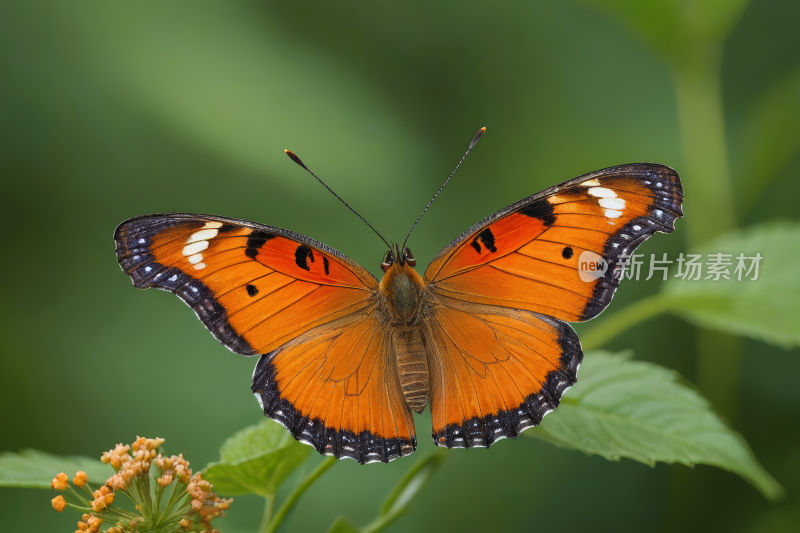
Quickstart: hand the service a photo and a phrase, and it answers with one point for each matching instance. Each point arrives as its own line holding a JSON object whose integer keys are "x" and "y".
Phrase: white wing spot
{"x": 195, "y": 247}
{"x": 637, "y": 228}
{"x": 591, "y": 183}
{"x": 602, "y": 192}
{"x": 202, "y": 235}
{"x": 612, "y": 203}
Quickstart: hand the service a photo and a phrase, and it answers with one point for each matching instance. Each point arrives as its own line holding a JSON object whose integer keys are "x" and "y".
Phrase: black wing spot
{"x": 255, "y": 241}
{"x": 541, "y": 209}
{"x": 566, "y": 253}
{"x": 325, "y": 265}
{"x": 252, "y": 290}
{"x": 476, "y": 245}
{"x": 302, "y": 255}
{"x": 487, "y": 238}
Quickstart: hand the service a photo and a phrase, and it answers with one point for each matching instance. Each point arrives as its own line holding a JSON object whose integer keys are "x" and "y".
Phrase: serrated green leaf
{"x": 341, "y": 525}
{"x": 256, "y": 460}
{"x": 642, "y": 411}
{"x": 35, "y": 469}
{"x": 768, "y": 308}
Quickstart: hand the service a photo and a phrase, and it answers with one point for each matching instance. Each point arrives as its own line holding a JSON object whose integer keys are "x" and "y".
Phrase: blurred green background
{"x": 112, "y": 109}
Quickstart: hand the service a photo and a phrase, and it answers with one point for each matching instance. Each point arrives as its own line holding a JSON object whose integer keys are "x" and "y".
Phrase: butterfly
{"x": 482, "y": 336}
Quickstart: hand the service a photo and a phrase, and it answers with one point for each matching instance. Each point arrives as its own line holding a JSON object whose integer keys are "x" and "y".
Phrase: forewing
{"x": 494, "y": 371}
{"x": 337, "y": 389}
{"x": 527, "y": 255}
{"x": 255, "y": 287}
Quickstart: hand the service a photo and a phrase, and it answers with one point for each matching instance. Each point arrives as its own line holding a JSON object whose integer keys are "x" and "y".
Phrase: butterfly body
{"x": 482, "y": 337}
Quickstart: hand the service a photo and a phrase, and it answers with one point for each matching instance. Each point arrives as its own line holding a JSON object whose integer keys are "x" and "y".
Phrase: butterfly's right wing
{"x": 494, "y": 371}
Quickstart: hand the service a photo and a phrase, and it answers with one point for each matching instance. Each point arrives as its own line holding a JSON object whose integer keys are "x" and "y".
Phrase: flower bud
{"x": 59, "y": 503}
{"x": 60, "y": 482}
{"x": 80, "y": 478}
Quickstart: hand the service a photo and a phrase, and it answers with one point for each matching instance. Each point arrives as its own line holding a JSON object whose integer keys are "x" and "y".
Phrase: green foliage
{"x": 342, "y": 525}
{"x": 768, "y": 308}
{"x": 770, "y": 138}
{"x": 256, "y": 460}
{"x": 642, "y": 411}
{"x": 397, "y": 502}
{"x": 34, "y": 469}
{"x": 676, "y": 27}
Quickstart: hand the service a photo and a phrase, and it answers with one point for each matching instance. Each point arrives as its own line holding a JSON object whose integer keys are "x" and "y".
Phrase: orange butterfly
{"x": 482, "y": 336}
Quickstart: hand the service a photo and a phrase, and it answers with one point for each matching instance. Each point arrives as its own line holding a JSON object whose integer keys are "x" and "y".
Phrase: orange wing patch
{"x": 495, "y": 372}
{"x": 254, "y": 287}
{"x": 527, "y": 255}
{"x": 337, "y": 389}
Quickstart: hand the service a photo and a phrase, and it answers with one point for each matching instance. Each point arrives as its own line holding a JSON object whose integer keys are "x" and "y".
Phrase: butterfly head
{"x": 394, "y": 256}
{"x": 401, "y": 285}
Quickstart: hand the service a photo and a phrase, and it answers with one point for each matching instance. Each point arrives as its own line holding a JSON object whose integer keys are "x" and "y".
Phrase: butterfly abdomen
{"x": 412, "y": 367}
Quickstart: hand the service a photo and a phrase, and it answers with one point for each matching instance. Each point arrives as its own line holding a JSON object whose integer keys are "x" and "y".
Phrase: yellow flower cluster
{"x": 191, "y": 507}
{"x": 205, "y": 503}
{"x": 171, "y": 468}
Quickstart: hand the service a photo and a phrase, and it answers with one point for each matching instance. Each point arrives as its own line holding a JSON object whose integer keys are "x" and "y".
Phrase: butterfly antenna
{"x": 297, "y": 160}
{"x": 471, "y": 145}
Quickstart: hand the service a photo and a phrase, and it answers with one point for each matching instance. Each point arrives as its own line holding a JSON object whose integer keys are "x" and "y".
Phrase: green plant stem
{"x": 701, "y": 120}
{"x": 719, "y": 369}
{"x": 291, "y": 500}
{"x": 269, "y": 502}
{"x": 608, "y": 328}
{"x": 701, "y": 117}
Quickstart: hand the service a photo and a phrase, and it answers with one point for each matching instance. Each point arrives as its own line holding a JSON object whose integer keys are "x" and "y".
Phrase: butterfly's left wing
{"x": 502, "y": 354}
{"x": 328, "y": 373}
{"x": 255, "y": 287}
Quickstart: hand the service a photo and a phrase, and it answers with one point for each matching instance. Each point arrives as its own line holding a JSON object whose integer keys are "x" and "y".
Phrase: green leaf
{"x": 35, "y": 469}
{"x": 768, "y": 308}
{"x": 263, "y": 75}
{"x": 771, "y": 135}
{"x": 341, "y": 525}
{"x": 412, "y": 482}
{"x": 642, "y": 411}
{"x": 398, "y": 500}
{"x": 256, "y": 460}
{"x": 676, "y": 28}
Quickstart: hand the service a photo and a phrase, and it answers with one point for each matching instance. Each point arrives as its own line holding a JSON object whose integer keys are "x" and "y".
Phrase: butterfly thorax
{"x": 402, "y": 288}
